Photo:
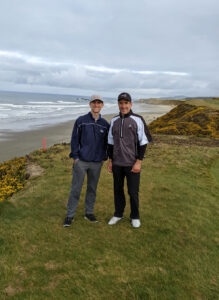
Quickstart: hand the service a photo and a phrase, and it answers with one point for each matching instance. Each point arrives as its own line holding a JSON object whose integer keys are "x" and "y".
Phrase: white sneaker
{"x": 114, "y": 220}
{"x": 135, "y": 223}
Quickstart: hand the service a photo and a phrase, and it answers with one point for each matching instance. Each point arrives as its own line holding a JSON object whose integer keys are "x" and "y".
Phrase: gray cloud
{"x": 153, "y": 48}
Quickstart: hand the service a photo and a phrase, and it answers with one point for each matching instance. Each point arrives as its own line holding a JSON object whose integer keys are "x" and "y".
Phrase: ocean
{"x": 27, "y": 118}
{"x": 28, "y": 111}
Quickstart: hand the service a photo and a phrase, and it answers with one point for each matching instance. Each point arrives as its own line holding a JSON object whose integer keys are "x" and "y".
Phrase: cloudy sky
{"x": 150, "y": 48}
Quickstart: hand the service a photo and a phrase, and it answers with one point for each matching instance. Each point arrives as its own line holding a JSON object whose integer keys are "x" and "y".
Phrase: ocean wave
{"x": 3, "y": 109}
{"x": 66, "y": 102}
{"x": 40, "y": 102}
{"x": 5, "y": 106}
{"x": 5, "y": 116}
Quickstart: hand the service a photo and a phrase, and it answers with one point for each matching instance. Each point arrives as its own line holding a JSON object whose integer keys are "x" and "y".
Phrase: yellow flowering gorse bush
{"x": 12, "y": 177}
{"x": 186, "y": 119}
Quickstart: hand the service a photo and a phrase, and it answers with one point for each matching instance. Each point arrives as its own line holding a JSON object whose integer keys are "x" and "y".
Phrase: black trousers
{"x": 133, "y": 181}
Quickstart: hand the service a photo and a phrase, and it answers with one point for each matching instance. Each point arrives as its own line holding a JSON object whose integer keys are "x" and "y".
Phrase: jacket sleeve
{"x": 110, "y": 142}
{"x": 141, "y": 151}
{"x": 110, "y": 151}
{"x": 106, "y": 141}
{"x": 75, "y": 141}
{"x": 144, "y": 137}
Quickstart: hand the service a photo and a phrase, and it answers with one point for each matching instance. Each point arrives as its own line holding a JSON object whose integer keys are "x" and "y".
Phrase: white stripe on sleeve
{"x": 142, "y": 138}
{"x": 110, "y": 135}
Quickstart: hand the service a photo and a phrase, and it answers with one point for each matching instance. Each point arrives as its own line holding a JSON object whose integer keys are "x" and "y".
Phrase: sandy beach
{"x": 16, "y": 144}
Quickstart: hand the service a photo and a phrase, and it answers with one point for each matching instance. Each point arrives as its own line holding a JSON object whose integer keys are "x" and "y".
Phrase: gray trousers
{"x": 80, "y": 169}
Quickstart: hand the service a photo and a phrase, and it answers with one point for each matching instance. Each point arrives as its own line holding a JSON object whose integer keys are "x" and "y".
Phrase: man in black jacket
{"x": 127, "y": 141}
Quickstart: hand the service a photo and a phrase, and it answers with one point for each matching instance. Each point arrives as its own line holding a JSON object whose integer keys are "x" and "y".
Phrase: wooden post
{"x": 44, "y": 144}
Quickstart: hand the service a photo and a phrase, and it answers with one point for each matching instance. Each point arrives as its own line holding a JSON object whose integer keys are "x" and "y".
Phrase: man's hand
{"x": 109, "y": 166}
{"x": 76, "y": 160}
{"x": 136, "y": 167}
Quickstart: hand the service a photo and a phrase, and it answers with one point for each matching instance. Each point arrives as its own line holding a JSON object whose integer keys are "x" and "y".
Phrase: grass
{"x": 172, "y": 256}
{"x": 208, "y": 102}
{"x": 211, "y": 103}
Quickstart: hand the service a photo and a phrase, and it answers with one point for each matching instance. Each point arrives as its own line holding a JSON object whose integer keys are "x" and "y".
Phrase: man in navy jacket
{"x": 88, "y": 150}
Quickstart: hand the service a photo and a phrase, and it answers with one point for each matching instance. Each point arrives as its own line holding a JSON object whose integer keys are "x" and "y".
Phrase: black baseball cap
{"x": 124, "y": 96}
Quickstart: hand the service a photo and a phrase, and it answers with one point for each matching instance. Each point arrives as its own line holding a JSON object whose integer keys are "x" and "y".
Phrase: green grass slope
{"x": 208, "y": 102}
{"x": 156, "y": 101}
{"x": 173, "y": 255}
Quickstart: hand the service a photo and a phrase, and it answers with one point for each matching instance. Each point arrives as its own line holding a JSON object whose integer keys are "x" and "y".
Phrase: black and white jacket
{"x": 127, "y": 139}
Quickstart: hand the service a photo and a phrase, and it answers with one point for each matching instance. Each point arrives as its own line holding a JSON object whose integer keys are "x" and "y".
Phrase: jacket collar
{"x": 127, "y": 115}
{"x": 91, "y": 116}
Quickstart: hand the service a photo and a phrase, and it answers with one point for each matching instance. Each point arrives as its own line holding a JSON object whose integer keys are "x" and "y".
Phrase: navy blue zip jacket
{"x": 89, "y": 138}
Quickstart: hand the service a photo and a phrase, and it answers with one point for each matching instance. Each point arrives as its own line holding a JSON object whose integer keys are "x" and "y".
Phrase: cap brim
{"x": 125, "y": 99}
{"x": 96, "y": 100}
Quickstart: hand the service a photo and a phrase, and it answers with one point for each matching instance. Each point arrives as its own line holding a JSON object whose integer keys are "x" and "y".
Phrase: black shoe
{"x": 91, "y": 218}
{"x": 67, "y": 222}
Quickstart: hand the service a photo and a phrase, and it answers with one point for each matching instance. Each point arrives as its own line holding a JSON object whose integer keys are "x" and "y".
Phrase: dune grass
{"x": 209, "y": 102}
{"x": 212, "y": 103}
{"x": 173, "y": 255}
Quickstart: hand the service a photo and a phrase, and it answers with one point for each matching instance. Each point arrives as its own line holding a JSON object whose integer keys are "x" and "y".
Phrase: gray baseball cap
{"x": 96, "y": 97}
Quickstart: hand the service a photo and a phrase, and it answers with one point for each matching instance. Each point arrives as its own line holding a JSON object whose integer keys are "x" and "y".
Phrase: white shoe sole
{"x": 136, "y": 225}
{"x": 68, "y": 225}
{"x": 115, "y": 222}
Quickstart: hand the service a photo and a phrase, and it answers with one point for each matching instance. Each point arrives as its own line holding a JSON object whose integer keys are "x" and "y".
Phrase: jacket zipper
{"x": 95, "y": 137}
{"x": 121, "y": 129}
{"x": 94, "y": 127}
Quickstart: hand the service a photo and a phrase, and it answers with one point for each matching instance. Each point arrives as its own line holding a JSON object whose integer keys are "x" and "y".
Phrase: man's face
{"x": 96, "y": 106}
{"x": 124, "y": 106}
